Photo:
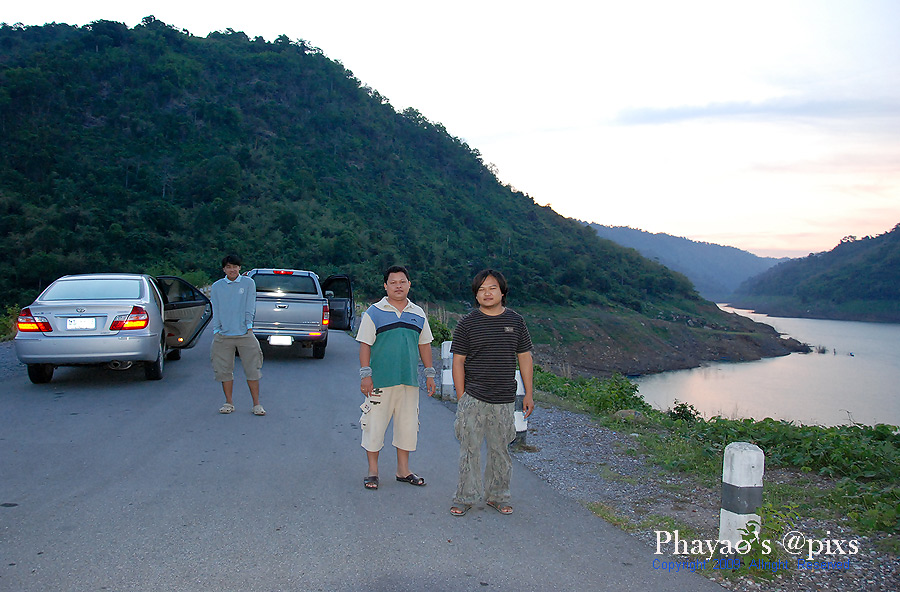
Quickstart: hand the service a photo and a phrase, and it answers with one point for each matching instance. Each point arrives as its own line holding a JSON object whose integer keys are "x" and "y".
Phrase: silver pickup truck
{"x": 293, "y": 307}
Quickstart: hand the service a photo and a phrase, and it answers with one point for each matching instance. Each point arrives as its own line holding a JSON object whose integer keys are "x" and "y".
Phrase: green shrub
{"x": 602, "y": 396}
{"x": 684, "y": 411}
{"x": 440, "y": 330}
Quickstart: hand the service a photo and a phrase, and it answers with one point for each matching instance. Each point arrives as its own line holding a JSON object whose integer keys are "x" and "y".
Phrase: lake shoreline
{"x": 683, "y": 347}
{"x": 850, "y": 378}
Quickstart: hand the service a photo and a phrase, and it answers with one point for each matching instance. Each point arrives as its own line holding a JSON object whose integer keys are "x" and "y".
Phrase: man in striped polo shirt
{"x": 487, "y": 344}
{"x": 393, "y": 335}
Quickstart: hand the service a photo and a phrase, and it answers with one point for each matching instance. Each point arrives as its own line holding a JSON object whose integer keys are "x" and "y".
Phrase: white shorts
{"x": 400, "y": 403}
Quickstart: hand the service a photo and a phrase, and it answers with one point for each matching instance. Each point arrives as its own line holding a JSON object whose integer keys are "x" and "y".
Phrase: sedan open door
{"x": 188, "y": 312}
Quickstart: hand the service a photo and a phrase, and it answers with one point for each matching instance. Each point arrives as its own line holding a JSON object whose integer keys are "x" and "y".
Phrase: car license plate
{"x": 280, "y": 340}
{"x": 81, "y": 323}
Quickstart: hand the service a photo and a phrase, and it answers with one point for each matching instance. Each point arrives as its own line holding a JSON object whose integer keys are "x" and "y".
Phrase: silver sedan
{"x": 112, "y": 319}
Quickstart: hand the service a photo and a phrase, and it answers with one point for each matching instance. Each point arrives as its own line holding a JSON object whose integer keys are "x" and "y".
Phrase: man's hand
{"x": 366, "y": 386}
{"x": 528, "y": 405}
{"x": 430, "y": 386}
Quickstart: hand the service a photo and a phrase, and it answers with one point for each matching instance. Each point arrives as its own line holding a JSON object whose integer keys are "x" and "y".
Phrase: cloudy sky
{"x": 772, "y": 126}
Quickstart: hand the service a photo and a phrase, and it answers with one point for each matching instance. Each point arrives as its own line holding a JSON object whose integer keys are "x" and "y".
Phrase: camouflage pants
{"x": 477, "y": 422}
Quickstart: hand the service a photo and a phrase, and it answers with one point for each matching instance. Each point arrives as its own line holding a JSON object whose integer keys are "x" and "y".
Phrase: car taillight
{"x": 136, "y": 319}
{"x": 325, "y": 314}
{"x": 282, "y": 272}
{"x": 28, "y": 323}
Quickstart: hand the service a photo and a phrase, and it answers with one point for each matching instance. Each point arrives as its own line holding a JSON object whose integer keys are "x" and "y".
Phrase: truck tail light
{"x": 136, "y": 319}
{"x": 282, "y": 272}
{"x": 325, "y": 314}
{"x": 28, "y": 323}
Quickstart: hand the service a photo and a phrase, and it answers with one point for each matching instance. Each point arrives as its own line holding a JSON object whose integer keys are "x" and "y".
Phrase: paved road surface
{"x": 112, "y": 482}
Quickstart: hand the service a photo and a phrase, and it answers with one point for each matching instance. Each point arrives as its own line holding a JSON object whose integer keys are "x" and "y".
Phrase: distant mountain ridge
{"x": 857, "y": 280}
{"x": 715, "y": 270}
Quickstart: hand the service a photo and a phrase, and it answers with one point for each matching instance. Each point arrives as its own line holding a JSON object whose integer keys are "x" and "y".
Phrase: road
{"x": 112, "y": 482}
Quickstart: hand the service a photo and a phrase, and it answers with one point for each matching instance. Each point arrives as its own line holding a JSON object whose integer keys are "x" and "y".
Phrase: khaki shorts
{"x": 401, "y": 403}
{"x": 222, "y": 354}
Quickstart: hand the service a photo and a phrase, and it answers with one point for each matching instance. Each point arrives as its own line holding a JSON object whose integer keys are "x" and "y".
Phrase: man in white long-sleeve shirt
{"x": 234, "y": 307}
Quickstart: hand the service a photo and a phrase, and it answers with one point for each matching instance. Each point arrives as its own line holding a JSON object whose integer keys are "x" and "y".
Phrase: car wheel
{"x": 40, "y": 373}
{"x": 319, "y": 350}
{"x": 154, "y": 370}
{"x": 175, "y": 354}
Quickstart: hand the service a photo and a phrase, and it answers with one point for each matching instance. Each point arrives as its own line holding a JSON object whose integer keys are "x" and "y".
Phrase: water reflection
{"x": 854, "y": 381}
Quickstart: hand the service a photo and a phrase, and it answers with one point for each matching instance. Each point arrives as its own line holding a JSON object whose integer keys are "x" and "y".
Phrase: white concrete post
{"x": 448, "y": 393}
{"x": 519, "y": 414}
{"x": 742, "y": 487}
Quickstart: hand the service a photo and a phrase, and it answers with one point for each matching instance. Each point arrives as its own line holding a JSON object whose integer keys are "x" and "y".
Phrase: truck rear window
{"x": 285, "y": 284}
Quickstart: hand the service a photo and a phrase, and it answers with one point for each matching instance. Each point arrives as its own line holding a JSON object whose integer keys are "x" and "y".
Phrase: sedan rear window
{"x": 94, "y": 289}
{"x": 286, "y": 284}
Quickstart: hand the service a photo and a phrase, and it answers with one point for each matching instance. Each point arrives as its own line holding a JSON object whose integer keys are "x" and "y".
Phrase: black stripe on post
{"x": 741, "y": 500}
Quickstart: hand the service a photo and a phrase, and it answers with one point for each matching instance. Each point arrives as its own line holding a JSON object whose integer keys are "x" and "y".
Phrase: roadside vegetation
{"x": 861, "y": 462}
{"x": 8, "y": 322}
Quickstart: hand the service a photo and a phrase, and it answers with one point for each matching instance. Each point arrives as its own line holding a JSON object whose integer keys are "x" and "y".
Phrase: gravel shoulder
{"x": 603, "y": 468}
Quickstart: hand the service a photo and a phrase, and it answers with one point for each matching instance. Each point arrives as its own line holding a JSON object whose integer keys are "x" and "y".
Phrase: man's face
{"x": 489, "y": 294}
{"x": 232, "y": 271}
{"x": 397, "y": 286}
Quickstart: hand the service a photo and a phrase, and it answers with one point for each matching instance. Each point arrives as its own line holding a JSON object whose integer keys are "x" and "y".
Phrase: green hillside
{"x": 141, "y": 148}
{"x": 149, "y": 149}
{"x": 857, "y": 280}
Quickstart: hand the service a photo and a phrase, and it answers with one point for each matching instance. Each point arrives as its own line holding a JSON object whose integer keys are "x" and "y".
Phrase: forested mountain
{"x": 715, "y": 270}
{"x": 857, "y": 280}
{"x": 149, "y": 148}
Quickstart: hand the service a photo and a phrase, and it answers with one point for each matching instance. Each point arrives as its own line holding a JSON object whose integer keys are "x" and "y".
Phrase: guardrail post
{"x": 448, "y": 393}
{"x": 742, "y": 487}
{"x": 519, "y": 415}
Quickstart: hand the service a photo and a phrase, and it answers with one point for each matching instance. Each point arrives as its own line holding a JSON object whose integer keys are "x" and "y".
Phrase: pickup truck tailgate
{"x": 287, "y": 314}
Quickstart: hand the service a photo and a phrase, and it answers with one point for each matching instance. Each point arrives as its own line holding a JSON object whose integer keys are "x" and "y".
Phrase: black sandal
{"x": 412, "y": 479}
{"x": 371, "y": 482}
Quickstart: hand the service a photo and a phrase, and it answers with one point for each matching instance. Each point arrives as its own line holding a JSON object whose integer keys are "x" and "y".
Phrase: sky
{"x": 771, "y": 126}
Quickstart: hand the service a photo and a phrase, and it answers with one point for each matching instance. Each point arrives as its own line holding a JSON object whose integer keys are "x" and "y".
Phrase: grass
{"x": 649, "y": 522}
{"x": 610, "y": 475}
{"x": 667, "y": 523}
{"x": 610, "y": 514}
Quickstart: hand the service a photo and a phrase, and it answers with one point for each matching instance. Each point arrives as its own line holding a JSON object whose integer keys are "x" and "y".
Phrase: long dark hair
{"x": 483, "y": 275}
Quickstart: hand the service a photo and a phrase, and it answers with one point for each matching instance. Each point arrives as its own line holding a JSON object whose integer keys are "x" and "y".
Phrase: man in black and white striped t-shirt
{"x": 488, "y": 343}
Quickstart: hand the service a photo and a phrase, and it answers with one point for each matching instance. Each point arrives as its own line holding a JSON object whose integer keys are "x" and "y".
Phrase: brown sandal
{"x": 506, "y": 510}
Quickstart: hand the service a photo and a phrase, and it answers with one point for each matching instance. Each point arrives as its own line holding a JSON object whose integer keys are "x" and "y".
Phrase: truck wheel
{"x": 40, "y": 373}
{"x": 319, "y": 350}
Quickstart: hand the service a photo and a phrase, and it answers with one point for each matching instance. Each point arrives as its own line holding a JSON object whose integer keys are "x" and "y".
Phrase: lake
{"x": 856, "y": 380}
